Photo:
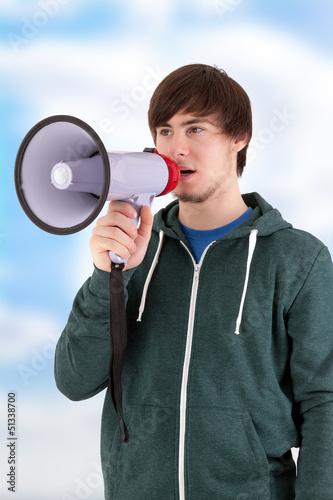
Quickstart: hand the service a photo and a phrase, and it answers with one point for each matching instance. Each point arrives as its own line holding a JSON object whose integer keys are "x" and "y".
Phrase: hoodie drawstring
{"x": 252, "y": 245}
{"x": 150, "y": 274}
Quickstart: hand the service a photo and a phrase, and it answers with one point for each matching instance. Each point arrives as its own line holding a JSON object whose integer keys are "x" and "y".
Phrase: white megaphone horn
{"x": 64, "y": 175}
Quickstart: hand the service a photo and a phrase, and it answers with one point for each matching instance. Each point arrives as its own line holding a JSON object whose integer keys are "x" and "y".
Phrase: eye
{"x": 195, "y": 130}
{"x": 164, "y": 132}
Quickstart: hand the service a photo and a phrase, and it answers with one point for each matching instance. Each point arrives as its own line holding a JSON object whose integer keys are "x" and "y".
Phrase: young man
{"x": 229, "y": 360}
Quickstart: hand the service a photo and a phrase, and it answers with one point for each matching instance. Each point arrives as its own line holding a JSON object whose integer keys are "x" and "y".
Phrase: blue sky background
{"x": 100, "y": 61}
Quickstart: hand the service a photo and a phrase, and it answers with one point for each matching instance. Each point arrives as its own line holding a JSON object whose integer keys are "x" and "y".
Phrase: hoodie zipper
{"x": 186, "y": 366}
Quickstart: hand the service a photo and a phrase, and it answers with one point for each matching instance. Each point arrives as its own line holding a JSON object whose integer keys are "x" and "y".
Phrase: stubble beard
{"x": 198, "y": 197}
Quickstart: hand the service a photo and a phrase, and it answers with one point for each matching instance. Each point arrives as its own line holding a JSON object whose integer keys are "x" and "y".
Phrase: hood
{"x": 264, "y": 218}
{"x": 264, "y": 221}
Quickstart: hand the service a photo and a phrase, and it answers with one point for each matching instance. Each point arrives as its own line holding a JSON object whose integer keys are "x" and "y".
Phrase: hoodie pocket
{"x": 224, "y": 456}
{"x": 146, "y": 466}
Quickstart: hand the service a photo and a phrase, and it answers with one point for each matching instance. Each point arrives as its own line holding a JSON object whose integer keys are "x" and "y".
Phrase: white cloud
{"x": 293, "y": 171}
{"x": 12, "y": 7}
{"x": 156, "y": 15}
{"x": 23, "y": 332}
{"x": 52, "y": 462}
{"x": 277, "y": 70}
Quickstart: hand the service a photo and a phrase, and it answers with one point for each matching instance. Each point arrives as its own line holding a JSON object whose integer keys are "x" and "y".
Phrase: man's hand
{"x": 116, "y": 232}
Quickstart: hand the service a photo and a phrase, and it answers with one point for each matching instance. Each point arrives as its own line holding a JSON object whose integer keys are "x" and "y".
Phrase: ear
{"x": 240, "y": 142}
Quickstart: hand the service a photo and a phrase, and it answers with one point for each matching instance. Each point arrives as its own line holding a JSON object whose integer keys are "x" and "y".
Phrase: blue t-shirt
{"x": 199, "y": 240}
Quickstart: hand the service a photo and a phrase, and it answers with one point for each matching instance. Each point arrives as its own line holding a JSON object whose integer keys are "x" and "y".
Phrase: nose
{"x": 178, "y": 146}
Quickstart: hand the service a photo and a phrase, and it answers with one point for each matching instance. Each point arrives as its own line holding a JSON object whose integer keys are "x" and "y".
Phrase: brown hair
{"x": 204, "y": 91}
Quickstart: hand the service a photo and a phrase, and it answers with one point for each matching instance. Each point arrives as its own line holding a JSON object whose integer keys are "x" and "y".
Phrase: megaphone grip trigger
{"x": 116, "y": 259}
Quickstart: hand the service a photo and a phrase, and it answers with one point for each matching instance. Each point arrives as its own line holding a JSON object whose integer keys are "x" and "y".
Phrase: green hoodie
{"x": 229, "y": 365}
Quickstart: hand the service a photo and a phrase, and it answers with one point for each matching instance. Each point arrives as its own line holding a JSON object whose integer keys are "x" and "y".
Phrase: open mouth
{"x": 185, "y": 172}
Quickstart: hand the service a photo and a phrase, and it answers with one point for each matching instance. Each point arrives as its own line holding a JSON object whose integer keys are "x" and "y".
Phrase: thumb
{"x": 146, "y": 222}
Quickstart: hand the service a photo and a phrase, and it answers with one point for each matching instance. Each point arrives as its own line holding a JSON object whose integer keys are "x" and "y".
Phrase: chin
{"x": 195, "y": 194}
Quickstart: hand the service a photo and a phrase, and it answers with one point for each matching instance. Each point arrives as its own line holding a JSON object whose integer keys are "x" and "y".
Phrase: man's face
{"x": 207, "y": 158}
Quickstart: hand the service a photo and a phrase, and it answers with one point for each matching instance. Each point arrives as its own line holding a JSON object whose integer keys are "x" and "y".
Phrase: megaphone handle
{"x": 118, "y": 328}
{"x": 137, "y": 202}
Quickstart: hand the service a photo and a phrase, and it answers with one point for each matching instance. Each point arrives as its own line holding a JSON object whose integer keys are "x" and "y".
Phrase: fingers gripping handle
{"x": 137, "y": 202}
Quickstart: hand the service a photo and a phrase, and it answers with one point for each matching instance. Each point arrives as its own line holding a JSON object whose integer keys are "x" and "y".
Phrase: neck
{"x": 212, "y": 213}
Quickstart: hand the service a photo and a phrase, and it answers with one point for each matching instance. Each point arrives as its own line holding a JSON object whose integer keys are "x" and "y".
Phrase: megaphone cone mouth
{"x": 45, "y": 146}
{"x": 174, "y": 174}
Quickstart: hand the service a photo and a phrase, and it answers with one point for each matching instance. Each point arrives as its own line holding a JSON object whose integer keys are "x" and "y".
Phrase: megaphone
{"x": 64, "y": 175}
